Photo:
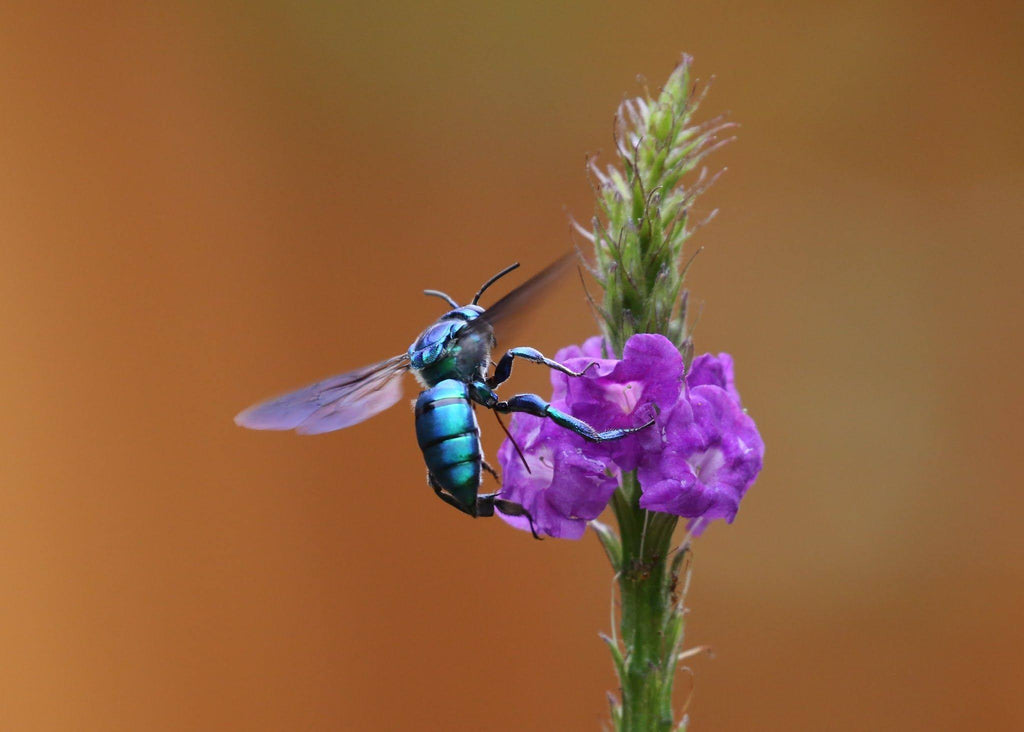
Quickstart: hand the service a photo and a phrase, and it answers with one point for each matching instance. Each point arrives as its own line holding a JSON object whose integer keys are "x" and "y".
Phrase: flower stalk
{"x": 644, "y": 218}
{"x": 653, "y": 431}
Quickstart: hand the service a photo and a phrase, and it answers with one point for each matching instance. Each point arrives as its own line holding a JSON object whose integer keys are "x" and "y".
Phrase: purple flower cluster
{"x": 696, "y": 461}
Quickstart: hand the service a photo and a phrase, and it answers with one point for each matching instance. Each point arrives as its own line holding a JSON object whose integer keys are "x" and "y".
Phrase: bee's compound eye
{"x": 434, "y": 352}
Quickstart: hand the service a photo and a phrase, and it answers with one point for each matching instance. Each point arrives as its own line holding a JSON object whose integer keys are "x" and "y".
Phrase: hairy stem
{"x": 648, "y": 612}
{"x": 642, "y": 222}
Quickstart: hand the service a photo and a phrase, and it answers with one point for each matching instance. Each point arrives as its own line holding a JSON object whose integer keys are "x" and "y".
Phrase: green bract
{"x": 643, "y": 216}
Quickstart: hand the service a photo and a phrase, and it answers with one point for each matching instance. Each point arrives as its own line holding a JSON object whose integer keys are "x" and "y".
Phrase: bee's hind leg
{"x": 448, "y": 498}
{"x": 487, "y": 502}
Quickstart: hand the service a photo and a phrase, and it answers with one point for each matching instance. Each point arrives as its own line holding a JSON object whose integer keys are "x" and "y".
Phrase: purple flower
{"x": 563, "y": 489}
{"x": 620, "y": 393}
{"x": 696, "y": 461}
{"x": 713, "y": 371}
{"x": 711, "y": 454}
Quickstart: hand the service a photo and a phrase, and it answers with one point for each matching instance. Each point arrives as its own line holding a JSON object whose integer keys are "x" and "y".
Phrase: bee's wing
{"x": 523, "y": 296}
{"x": 336, "y": 402}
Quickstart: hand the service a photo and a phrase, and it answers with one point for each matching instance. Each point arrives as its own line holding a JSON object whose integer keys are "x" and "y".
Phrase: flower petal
{"x": 563, "y": 490}
{"x": 709, "y": 370}
{"x": 696, "y": 461}
{"x": 712, "y": 455}
{"x": 620, "y": 394}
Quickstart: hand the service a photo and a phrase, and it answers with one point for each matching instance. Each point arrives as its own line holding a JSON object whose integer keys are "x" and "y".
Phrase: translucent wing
{"x": 337, "y": 402}
{"x": 519, "y": 300}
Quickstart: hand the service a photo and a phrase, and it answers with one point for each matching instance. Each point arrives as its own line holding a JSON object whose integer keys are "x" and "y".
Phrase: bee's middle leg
{"x": 494, "y": 473}
{"x": 533, "y": 404}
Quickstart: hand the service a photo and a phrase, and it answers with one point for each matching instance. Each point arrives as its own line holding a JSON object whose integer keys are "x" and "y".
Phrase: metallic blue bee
{"x": 450, "y": 359}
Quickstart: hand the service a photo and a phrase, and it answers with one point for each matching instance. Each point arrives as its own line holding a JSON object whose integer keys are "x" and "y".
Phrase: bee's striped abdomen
{"x": 449, "y": 437}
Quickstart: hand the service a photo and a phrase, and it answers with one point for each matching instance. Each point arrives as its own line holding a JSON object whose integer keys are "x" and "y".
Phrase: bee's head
{"x": 466, "y": 312}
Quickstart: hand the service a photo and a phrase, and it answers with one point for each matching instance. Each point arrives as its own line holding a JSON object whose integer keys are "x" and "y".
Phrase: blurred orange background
{"x": 202, "y": 205}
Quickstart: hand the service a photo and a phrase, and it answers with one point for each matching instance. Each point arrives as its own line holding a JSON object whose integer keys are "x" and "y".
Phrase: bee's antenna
{"x": 438, "y": 293}
{"x": 494, "y": 279}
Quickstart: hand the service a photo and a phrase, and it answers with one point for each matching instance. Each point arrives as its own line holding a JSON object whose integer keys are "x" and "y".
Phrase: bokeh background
{"x": 203, "y": 204}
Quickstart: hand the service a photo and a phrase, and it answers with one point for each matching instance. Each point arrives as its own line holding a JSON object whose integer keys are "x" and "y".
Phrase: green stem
{"x": 649, "y": 616}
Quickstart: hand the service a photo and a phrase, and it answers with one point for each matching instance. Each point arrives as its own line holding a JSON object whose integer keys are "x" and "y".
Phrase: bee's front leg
{"x": 503, "y": 369}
